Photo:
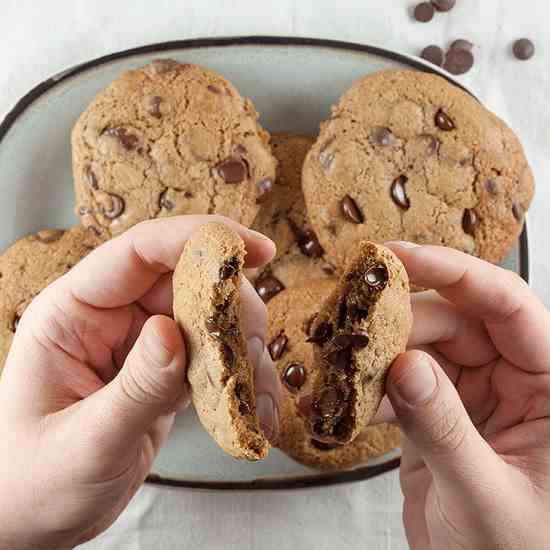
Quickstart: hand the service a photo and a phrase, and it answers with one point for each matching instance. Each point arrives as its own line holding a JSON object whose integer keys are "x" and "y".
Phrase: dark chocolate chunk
{"x": 376, "y": 276}
{"x": 523, "y": 49}
{"x": 154, "y": 106}
{"x": 357, "y": 340}
{"x": 469, "y": 221}
{"x": 424, "y": 12}
{"x": 517, "y": 211}
{"x": 294, "y": 376}
{"x": 319, "y": 445}
{"x": 232, "y": 170}
{"x": 462, "y": 44}
{"x": 491, "y": 186}
{"x": 342, "y": 312}
{"x": 321, "y": 335}
{"x": 214, "y": 328}
{"x": 398, "y": 193}
{"x": 432, "y": 143}
{"x": 165, "y": 201}
{"x": 458, "y": 61}
{"x": 228, "y": 355}
{"x": 278, "y": 347}
{"x": 433, "y": 54}
{"x": 242, "y": 396}
{"x": 114, "y": 207}
{"x": 384, "y": 137}
{"x": 443, "y": 5}
{"x": 229, "y": 268}
{"x": 351, "y": 210}
{"x": 443, "y": 121}
{"x": 267, "y": 287}
{"x": 339, "y": 359}
{"x": 127, "y": 140}
{"x": 309, "y": 244}
{"x": 47, "y": 236}
{"x": 357, "y": 313}
{"x": 91, "y": 178}
{"x": 265, "y": 187}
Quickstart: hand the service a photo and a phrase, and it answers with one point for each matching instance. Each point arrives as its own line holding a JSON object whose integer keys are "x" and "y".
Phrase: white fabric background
{"x": 39, "y": 39}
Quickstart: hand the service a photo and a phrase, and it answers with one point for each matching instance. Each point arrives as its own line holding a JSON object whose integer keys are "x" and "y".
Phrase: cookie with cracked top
{"x": 207, "y": 306}
{"x": 29, "y": 265}
{"x": 290, "y": 316}
{"x": 170, "y": 138}
{"x": 407, "y": 155}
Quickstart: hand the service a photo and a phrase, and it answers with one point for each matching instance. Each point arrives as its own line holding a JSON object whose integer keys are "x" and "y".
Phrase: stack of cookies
{"x": 404, "y": 156}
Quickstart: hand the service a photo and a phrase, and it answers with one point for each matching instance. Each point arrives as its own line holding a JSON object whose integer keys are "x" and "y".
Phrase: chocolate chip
{"x": 491, "y": 186}
{"x": 91, "y": 178}
{"x": 188, "y": 195}
{"x": 277, "y": 347}
{"x": 462, "y": 44}
{"x": 443, "y": 121}
{"x": 328, "y": 404}
{"x": 47, "y": 236}
{"x": 339, "y": 359}
{"x": 15, "y": 322}
{"x": 469, "y": 221}
{"x": 443, "y": 5}
{"x": 517, "y": 211}
{"x": 114, "y": 207}
{"x": 268, "y": 287}
{"x": 384, "y": 137}
{"x": 229, "y": 268}
{"x": 309, "y": 244}
{"x": 294, "y": 376}
{"x": 376, "y": 276}
{"x": 458, "y": 61}
{"x": 321, "y": 335}
{"x": 214, "y": 328}
{"x": 433, "y": 54}
{"x": 308, "y": 323}
{"x": 523, "y": 49}
{"x": 342, "y": 312}
{"x": 154, "y": 106}
{"x": 432, "y": 143}
{"x": 356, "y": 313}
{"x": 351, "y": 210}
{"x": 165, "y": 201}
{"x": 242, "y": 395}
{"x": 319, "y": 445}
{"x": 232, "y": 170}
{"x": 357, "y": 340}
{"x": 228, "y": 355}
{"x": 424, "y": 12}
{"x": 127, "y": 140}
{"x": 328, "y": 270}
{"x": 398, "y": 193}
{"x": 213, "y": 89}
{"x": 265, "y": 187}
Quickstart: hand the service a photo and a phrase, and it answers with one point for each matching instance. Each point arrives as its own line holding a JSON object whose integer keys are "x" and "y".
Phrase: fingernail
{"x": 160, "y": 355}
{"x": 258, "y": 235}
{"x": 403, "y": 244}
{"x": 255, "y": 349}
{"x": 417, "y": 384}
{"x": 267, "y": 414}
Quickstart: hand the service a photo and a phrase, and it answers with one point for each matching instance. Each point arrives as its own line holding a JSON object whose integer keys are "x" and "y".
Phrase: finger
{"x": 122, "y": 270}
{"x": 159, "y": 299}
{"x": 149, "y": 386}
{"x": 433, "y": 418}
{"x": 514, "y": 317}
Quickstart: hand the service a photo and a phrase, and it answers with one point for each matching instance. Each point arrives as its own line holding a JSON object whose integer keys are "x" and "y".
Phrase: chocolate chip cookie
{"x": 406, "y": 155}
{"x": 283, "y": 219}
{"x": 170, "y": 138}
{"x": 207, "y": 306}
{"x": 290, "y": 314}
{"x": 30, "y": 265}
{"x": 359, "y": 330}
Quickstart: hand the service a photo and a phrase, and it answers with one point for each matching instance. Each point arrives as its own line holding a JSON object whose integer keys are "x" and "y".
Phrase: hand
{"x": 475, "y": 409}
{"x": 94, "y": 377}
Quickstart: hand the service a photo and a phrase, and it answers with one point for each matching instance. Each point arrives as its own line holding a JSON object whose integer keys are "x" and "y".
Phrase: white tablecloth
{"x": 39, "y": 39}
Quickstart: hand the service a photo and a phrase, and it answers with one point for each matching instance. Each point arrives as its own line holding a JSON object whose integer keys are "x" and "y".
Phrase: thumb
{"x": 435, "y": 421}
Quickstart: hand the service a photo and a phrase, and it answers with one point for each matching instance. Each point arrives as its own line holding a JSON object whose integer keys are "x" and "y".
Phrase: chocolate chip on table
{"x": 309, "y": 244}
{"x": 384, "y": 137}
{"x": 398, "y": 193}
{"x": 127, "y": 140}
{"x": 265, "y": 187}
{"x": 351, "y": 211}
{"x": 47, "y": 236}
{"x": 491, "y": 186}
{"x": 443, "y": 5}
{"x": 517, "y": 211}
{"x": 294, "y": 376}
{"x": 154, "y": 106}
{"x": 232, "y": 170}
{"x": 277, "y": 347}
{"x": 469, "y": 221}
{"x": 433, "y": 54}
{"x": 321, "y": 334}
{"x": 357, "y": 340}
{"x": 461, "y": 44}
{"x": 268, "y": 287}
{"x": 376, "y": 276}
{"x": 443, "y": 121}
{"x": 523, "y": 49}
{"x": 424, "y": 12}
{"x": 458, "y": 61}
{"x": 228, "y": 269}
{"x": 321, "y": 446}
{"x": 165, "y": 201}
{"x": 113, "y": 207}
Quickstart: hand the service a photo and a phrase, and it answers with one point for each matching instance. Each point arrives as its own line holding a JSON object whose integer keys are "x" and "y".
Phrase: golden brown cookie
{"x": 290, "y": 313}
{"x": 408, "y": 156}
{"x": 283, "y": 219}
{"x": 170, "y": 138}
{"x": 30, "y": 265}
{"x": 207, "y": 306}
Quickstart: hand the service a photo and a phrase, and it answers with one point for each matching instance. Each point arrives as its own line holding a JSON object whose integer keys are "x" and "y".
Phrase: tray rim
{"x": 321, "y": 479}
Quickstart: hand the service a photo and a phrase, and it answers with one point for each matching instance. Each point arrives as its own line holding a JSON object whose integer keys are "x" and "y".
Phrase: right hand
{"x": 475, "y": 409}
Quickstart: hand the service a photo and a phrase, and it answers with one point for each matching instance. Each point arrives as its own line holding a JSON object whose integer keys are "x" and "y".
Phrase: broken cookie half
{"x": 360, "y": 329}
{"x": 207, "y": 307}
